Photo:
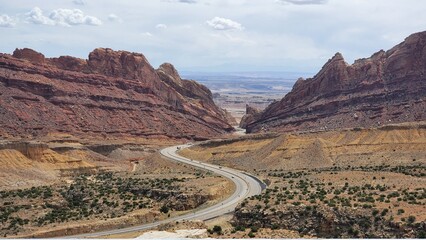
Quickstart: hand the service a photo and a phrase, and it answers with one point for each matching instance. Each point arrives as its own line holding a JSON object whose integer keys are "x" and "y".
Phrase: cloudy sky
{"x": 213, "y": 35}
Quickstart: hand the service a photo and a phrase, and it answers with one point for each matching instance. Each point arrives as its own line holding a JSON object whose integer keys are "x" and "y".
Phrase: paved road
{"x": 245, "y": 186}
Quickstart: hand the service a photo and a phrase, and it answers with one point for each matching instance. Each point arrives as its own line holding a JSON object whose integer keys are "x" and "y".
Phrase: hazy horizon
{"x": 207, "y": 35}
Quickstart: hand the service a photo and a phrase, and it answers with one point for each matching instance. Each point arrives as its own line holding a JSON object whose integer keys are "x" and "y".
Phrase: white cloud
{"x": 302, "y": 2}
{"x": 78, "y": 2}
{"x": 161, "y": 26}
{"x": 62, "y": 17}
{"x": 114, "y": 18}
{"x": 36, "y": 16}
{"x": 68, "y": 17}
{"x": 219, "y": 23}
{"x": 6, "y": 21}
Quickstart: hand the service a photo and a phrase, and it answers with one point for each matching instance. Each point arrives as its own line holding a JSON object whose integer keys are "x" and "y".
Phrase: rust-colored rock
{"x": 113, "y": 93}
{"x": 29, "y": 54}
{"x": 168, "y": 73}
{"x": 388, "y": 87}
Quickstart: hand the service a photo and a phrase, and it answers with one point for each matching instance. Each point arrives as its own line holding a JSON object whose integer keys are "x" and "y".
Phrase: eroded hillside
{"x": 356, "y": 147}
{"x": 112, "y": 93}
{"x": 358, "y": 183}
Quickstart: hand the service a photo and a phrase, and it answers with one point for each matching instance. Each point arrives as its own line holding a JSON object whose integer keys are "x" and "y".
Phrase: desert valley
{"x": 343, "y": 158}
{"x": 109, "y": 146}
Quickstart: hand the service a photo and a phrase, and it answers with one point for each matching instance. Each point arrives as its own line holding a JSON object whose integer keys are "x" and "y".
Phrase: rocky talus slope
{"x": 112, "y": 93}
{"x": 388, "y": 87}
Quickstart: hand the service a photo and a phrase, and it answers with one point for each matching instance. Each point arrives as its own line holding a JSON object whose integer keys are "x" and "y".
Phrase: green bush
{"x": 164, "y": 209}
{"x": 421, "y": 234}
{"x": 217, "y": 229}
{"x": 240, "y": 228}
{"x": 411, "y": 219}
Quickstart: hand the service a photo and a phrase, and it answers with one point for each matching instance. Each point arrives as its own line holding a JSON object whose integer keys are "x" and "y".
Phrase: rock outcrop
{"x": 251, "y": 114}
{"x": 112, "y": 93}
{"x": 388, "y": 87}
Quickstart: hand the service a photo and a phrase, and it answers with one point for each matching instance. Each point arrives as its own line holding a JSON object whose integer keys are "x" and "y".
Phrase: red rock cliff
{"x": 112, "y": 93}
{"x": 388, "y": 87}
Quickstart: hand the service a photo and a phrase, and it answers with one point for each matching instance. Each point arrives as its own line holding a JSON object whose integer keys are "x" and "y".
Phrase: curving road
{"x": 245, "y": 186}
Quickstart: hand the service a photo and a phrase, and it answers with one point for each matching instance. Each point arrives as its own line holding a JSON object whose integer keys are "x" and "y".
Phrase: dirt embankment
{"x": 395, "y": 145}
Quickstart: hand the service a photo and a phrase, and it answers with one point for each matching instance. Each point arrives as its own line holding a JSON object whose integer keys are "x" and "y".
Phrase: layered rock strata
{"x": 112, "y": 93}
{"x": 388, "y": 87}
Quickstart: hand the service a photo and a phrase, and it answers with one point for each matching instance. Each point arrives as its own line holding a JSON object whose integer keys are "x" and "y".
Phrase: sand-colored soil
{"x": 391, "y": 146}
{"x": 387, "y": 164}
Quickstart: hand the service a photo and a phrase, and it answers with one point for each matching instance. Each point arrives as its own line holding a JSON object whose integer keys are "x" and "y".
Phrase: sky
{"x": 213, "y": 35}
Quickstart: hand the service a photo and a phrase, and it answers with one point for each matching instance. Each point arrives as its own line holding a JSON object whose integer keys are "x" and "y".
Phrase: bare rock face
{"x": 168, "y": 73}
{"x": 251, "y": 114}
{"x": 70, "y": 63}
{"x": 113, "y": 93}
{"x": 121, "y": 64}
{"x": 29, "y": 55}
{"x": 31, "y": 150}
{"x": 389, "y": 87}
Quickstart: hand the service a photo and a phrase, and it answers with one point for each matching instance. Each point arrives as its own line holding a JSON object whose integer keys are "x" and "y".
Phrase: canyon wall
{"x": 112, "y": 93}
{"x": 388, "y": 87}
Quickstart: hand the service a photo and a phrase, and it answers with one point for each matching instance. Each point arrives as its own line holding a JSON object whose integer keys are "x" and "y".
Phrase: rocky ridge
{"x": 112, "y": 93}
{"x": 388, "y": 87}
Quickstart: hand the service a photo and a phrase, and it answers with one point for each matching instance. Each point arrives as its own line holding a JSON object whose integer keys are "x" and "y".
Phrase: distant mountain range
{"x": 247, "y": 82}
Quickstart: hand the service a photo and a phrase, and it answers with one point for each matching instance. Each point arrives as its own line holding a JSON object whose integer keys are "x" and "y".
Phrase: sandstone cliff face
{"x": 30, "y": 150}
{"x": 114, "y": 93}
{"x": 388, "y": 87}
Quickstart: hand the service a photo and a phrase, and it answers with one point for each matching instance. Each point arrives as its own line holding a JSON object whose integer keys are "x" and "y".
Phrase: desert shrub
{"x": 164, "y": 209}
{"x": 240, "y": 228}
{"x": 421, "y": 234}
{"x": 411, "y": 219}
{"x": 217, "y": 229}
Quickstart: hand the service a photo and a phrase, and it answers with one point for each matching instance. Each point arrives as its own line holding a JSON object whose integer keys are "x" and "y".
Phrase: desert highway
{"x": 245, "y": 186}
